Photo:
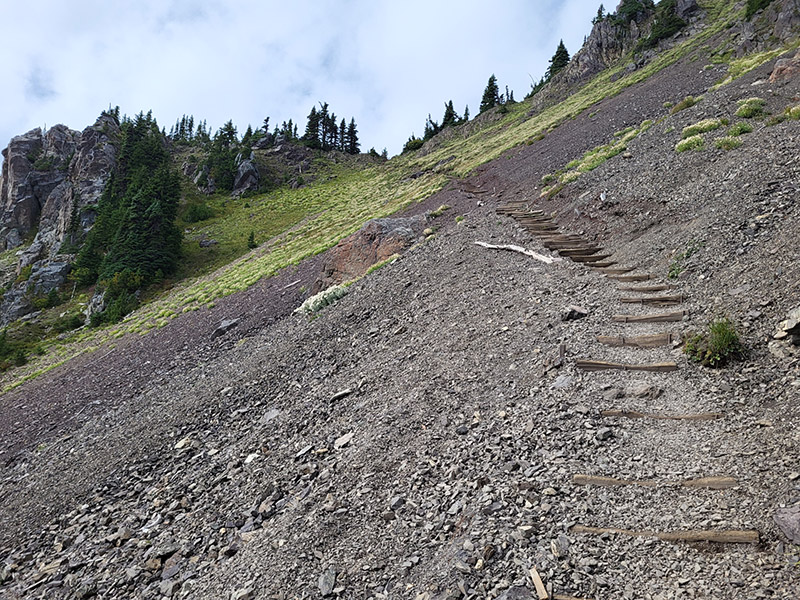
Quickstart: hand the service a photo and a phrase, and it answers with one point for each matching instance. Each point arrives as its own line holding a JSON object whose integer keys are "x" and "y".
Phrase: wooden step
{"x": 643, "y": 277}
{"x": 729, "y": 536}
{"x": 655, "y": 300}
{"x": 578, "y": 251}
{"x": 539, "y": 227}
{"x": 582, "y": 258}
{"x": 600, "y": 365}
{"x": 556, "y": 245}
{"x": 635, "y": 414}
{"x": 710, "y": 483}
{"x": 653, "y": 318}
{"x": 601, "y": 264}
{"x": 642, "y": 341}
{"x": 617, "y": 270}
{"x": 644, "y": 289}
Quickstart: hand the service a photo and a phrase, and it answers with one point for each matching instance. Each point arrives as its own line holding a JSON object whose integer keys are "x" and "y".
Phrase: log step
{"x": 710, "y": 483}
{"x": 730, "y": 536}
{"x": 642, "y": 341}
{"x": 539, "y": 227}
{"x": 579, "y": 250}
{"x": 654, "y": 318}
{"x": 599, "y": 365}
{"x": 582, "y": 258}
{"x": 560, "y": 245}
{"x": 644, "y": 289}
{"x": 600, "y": 264}
{"x": 655, "y": 300}
{"x": 617, "y": 270}
{"x": 635, "y": 414}
{"x": 643, "y": 277}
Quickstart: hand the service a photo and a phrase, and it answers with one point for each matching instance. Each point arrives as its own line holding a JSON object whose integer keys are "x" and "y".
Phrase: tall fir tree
{"x": 353, "y": 145}
{"x": 491, "y": 95}
{"x": 311, "y": 136}
{"x": 450, "y": 116}
{"x": 558, "y": 62}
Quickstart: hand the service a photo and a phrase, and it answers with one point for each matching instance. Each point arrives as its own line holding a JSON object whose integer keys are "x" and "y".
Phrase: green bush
{"x": 69, "y": 322}
{"x": 753, "y": 6}
{"x": 695, "y": 142}
{"x": 750, "y": 108}
{"x": 414, "y": 143}
{"x": 701, "y": 127}
{"x": 687, "y": 102}
{"x": 251, "y": 240}
{"x": 740, "y": 128}
{"x": 728, "y": 143}
{"x": 716, "y": 346}
{"x": 793, "y": 112}
{"x": 198, "y": 212}
{"x": 24, "y": 274}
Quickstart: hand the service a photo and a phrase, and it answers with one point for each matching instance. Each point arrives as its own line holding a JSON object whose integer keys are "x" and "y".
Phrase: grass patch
{"x": 740, "y": 128}
{"x": 716, "y": 346}
{"x": 439, "y": 211}
{"x": 751, "y": 108}
{"x": 703, "y": 126}
{"x": 728, "y": 143}
{"x": 679, "y": 262}
{"x": 792, "y": 112}
{"x": 687, "y": 102}
{"x": 695, "y": 142}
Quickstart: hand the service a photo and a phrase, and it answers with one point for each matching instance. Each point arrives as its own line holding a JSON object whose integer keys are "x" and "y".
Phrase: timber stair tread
{"x": 641, "y": 341}
{"x": 601, "y": 365}
{"x": 667, "y": 317}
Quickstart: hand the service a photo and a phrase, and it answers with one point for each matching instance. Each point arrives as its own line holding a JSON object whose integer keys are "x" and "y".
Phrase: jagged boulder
{"x": 247, "y": 177}
{"x": 686, "y": 8}
{"x": 786, "y": 69}
{"x": 377, "y": 240}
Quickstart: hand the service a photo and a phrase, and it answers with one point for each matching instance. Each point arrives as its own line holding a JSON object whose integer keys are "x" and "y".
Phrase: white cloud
{"x": 388, "y": 64}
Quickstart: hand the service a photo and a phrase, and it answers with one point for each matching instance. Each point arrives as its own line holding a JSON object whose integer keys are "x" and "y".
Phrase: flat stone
{"x": 788, "y": 521}
{"x": 224, "y": 328}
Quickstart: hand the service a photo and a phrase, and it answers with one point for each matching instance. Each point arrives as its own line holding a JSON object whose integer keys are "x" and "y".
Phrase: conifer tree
{"x": 558, "y": 62}
{"x": 491, "y": 95}
{"x": 353, "y": 145}
{"x": 342, "y": 136}
{"x": 265, "y": 125}
{"x": 450, "y": 116}
{"x": 466, "y": 114}
{"x": 311, "y": 136}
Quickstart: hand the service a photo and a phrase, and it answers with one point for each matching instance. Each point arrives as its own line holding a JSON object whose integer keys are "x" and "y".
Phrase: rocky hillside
{"x": 432, "y": 434}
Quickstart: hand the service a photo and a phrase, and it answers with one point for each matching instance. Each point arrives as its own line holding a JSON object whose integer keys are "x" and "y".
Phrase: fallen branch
{"x": 541, "y": 257}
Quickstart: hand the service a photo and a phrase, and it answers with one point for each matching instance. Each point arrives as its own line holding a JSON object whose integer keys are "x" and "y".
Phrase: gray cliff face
{"x": 780, "y": 20}
{"x": 46, "y": 179}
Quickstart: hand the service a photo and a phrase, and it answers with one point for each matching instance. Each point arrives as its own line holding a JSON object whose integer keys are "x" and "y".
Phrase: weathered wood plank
{"x": 711, "y": 483}
{"x": 599, "y": 365}
{"x": 635, "y": 414}
{"x": 729, "y": 536}
{"x": 646, "y": 288}
{"x": 600, "y": 264}
{"x": 616, "y": 270}
{"x": 653, "y": 318}
{"x": 641, "y": 341}
{"x": 541, "y": 591}
{"x": 643, "y": 277}
{"x": 581, "y": 250}
{"x": 559, "y": 245}
{"x": 539, "y": 227}
{"x": 582, "y": 258}
{"x": 655, "y": 300}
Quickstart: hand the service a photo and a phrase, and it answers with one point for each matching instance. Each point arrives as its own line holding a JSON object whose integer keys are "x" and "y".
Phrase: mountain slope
{"x": 222, "y": 465}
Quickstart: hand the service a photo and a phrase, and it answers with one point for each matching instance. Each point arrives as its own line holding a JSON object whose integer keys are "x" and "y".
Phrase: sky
{"x": 387, "y": 63}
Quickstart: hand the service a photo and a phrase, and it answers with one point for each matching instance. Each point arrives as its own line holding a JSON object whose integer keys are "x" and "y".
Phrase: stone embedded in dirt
{"x": 517, "y": 593}
{"x": 643, "y": 390}
{"x": 342, "y": 394}
{"x": 224, "y": 327}
{"x": 562, "y": 382}
{"x": 207, "y": 243}
{"x": 327, "y": 581}
{"x": 245, "y": 593}
{"x": 613, "y": 393}
{"x": 604, "y": 433}
{"x": 462, "y": 430}
{"x": 788, "y": 520}
{"x": 169, "y": 587}
{"x": 342, "y": 441}
{"x": 573, "y": 313}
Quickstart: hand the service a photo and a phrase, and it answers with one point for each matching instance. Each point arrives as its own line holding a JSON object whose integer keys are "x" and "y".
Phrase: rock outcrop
{"x": 52, "y": 181}
{"x": 786, "y": 69}
{"x": 247, "y": 177}
{"x": 377, "y": 240}
{"x": 780, "y": 20}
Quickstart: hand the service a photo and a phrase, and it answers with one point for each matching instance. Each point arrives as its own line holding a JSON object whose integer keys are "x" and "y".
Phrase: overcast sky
{"x": 388, "y": 63}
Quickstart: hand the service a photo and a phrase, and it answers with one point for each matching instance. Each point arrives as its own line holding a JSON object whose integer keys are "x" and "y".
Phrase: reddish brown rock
{"x": 377, "y": 240}
{"x": 786, "y": 69}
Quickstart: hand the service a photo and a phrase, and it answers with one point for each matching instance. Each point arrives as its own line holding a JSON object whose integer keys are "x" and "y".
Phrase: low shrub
{"x": 728, "y": 143}
{"x": 716, "y": 346}
{"x": 198, "y": 212}
{"x": 740, "y": 128}
{"x": 753, "y": 6}
{"x": 438, "y": 212}
{"x": 793, "y": 112}
{"x": 695, "y": 142}
{"x": 325, "y": 298}
{"x": 701, "y": 127}
{"x": 751, "y": 108}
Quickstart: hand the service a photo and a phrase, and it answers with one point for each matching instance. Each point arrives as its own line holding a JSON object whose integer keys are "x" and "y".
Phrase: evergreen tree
{"x": 601, "y": 14}
{"x": 558, "y": 62}
{"x": 491, "y": 95}
{"x": 342, "y": 136}
{"x": 466, "y": 114}
{"x": 311, "y": 136}
{"x": 450, "y": 116}
{"x": 353, "y": 145}
{"x": 431, "y": 128}
{"x": 247, "y": 138}
{"x": 265, "y": 126}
